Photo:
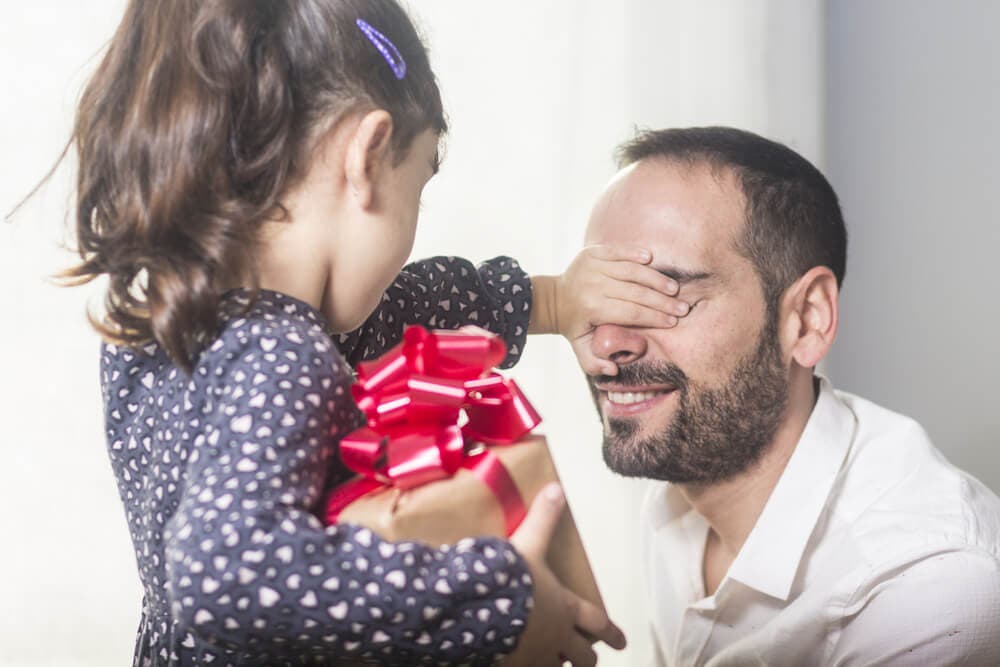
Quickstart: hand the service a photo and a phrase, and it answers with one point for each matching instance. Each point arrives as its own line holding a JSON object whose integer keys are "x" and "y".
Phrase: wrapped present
{"x": 447, "y": 454}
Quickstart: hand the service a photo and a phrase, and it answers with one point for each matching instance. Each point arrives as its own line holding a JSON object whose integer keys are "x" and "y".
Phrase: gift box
{"x": 444, "y": 512}
{"x": 447, "y": 452}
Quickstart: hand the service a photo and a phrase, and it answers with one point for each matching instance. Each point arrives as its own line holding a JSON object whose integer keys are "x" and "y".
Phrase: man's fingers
{"x": 619, "y": 253}
{"x": 533, "y": 535}
{"x": 593, "y": 621}
{"x": 579, "y": 652}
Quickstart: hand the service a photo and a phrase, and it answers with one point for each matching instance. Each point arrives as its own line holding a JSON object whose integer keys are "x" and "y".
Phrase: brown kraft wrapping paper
{"x": 449, "y": 510}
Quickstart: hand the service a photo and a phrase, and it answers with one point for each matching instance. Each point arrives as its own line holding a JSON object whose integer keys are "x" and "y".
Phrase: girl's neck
{"x": 289, "y": 264}
{"x": 294, "y": 255}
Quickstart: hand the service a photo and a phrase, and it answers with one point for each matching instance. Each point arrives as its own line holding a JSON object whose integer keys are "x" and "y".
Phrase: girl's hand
{"x": 561, "y": 622}
{"x": 605, "y": 285}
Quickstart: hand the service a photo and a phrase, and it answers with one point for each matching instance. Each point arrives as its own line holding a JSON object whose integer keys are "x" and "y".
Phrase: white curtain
{"x": 539, "y": 95}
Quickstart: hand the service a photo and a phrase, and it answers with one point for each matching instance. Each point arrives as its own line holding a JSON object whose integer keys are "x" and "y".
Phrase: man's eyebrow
{"x": 682, "y": 276}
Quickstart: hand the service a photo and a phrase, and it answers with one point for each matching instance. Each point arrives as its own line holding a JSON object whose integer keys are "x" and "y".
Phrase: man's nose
{"x": 619, "y": 344}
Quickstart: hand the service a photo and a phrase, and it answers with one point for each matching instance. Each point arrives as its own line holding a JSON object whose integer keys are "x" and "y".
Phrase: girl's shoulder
{"x": 275, "y": 334}
{"x": 268, "y": 346}
{"x": 273, "y": 338}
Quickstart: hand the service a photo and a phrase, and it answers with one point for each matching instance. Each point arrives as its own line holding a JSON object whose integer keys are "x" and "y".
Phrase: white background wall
{"x": 539, "y": 93}
{"x": 914, "y": 152}
{"x": 67, "y": 574}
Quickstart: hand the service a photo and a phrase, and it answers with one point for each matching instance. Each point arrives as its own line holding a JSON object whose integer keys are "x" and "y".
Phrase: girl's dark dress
{"x": 221, "y": 474}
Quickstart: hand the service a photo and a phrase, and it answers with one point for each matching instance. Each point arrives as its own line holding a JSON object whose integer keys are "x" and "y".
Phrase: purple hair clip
{"x": 385, "y": 47}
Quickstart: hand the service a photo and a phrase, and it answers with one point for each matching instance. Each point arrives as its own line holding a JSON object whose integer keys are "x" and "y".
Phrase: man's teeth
{"x": 630, "y": 397}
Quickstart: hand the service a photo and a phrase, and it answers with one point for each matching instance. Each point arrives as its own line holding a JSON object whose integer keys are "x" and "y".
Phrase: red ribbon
{"x": 413, "y": 397}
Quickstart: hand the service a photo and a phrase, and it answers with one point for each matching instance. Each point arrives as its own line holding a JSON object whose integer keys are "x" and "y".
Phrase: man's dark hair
{"x": 793, "y": 219}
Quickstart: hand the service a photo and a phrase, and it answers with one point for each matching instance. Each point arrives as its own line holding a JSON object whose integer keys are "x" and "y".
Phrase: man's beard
{"x": 715, "y": 434}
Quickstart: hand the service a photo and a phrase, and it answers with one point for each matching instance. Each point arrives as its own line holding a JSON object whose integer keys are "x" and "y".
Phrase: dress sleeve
{"x": 448, "y": 293}
{"x": 252, "y": 571}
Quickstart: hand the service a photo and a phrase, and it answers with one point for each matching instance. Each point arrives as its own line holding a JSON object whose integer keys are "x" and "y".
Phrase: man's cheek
{"x": 711, "y": 343}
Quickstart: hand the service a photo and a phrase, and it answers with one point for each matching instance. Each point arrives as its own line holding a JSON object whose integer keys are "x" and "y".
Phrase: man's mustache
{"x": 645, "y": 373}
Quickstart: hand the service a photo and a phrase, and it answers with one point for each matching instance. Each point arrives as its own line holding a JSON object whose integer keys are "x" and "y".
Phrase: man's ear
{"x": 368, "y": 153}
{"x": 809, "y": 316}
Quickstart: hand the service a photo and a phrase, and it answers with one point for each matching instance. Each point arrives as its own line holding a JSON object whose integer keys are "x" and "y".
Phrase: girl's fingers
{"x": 591, "y": 363}
{"x": 647, "y": 297}
{"x": 618, "y": 253}
{"x": 631, "y": 272}
{"x": 631, "y": 314}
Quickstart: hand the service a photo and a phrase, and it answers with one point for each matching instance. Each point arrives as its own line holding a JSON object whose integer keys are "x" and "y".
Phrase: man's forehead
{"x": 660, "y": 201}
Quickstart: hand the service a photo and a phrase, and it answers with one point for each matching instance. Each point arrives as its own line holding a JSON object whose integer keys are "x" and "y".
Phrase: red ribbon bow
{"x": 413, "y": 397}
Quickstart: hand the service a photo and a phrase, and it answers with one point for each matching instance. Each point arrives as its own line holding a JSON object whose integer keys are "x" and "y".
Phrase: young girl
{"x": 250, "y": 175}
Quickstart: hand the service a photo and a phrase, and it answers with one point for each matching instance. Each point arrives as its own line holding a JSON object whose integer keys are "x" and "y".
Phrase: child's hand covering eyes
{"x": 607, "y": 285}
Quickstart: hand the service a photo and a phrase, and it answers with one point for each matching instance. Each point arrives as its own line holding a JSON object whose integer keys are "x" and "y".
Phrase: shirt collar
{"x": 772, "y": 553}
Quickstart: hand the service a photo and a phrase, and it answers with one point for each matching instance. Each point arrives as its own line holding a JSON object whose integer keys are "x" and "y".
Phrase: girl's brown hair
{"x": 200, "y": 116}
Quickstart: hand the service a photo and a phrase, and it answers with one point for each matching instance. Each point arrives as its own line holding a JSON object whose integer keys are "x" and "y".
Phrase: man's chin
{"x": 650, "y": 458}
{"x": 625, "y": 456}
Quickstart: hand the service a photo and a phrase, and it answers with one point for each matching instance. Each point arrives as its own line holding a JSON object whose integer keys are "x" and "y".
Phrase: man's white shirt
{"x": 872, "y": 549}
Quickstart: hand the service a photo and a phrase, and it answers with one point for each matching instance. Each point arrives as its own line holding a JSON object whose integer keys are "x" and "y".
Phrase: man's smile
{"x": 628, "y": 400}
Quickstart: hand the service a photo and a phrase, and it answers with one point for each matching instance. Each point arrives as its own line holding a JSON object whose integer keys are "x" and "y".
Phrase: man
{"x": 794, "y": 524}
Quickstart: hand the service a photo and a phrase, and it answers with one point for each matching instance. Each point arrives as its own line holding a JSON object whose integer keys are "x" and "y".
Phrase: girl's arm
{"x": 603, "y": 285}
{"x": 448, "y": 293}
{"x": 252, "y": 572}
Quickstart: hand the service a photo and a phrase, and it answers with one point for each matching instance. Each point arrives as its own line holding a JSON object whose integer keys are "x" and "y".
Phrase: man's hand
{"x": 604, "y": 285}
{"x": 562, "y": 625}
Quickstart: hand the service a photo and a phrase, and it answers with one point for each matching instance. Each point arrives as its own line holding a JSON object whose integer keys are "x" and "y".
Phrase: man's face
{"x": 700, "y": 402}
